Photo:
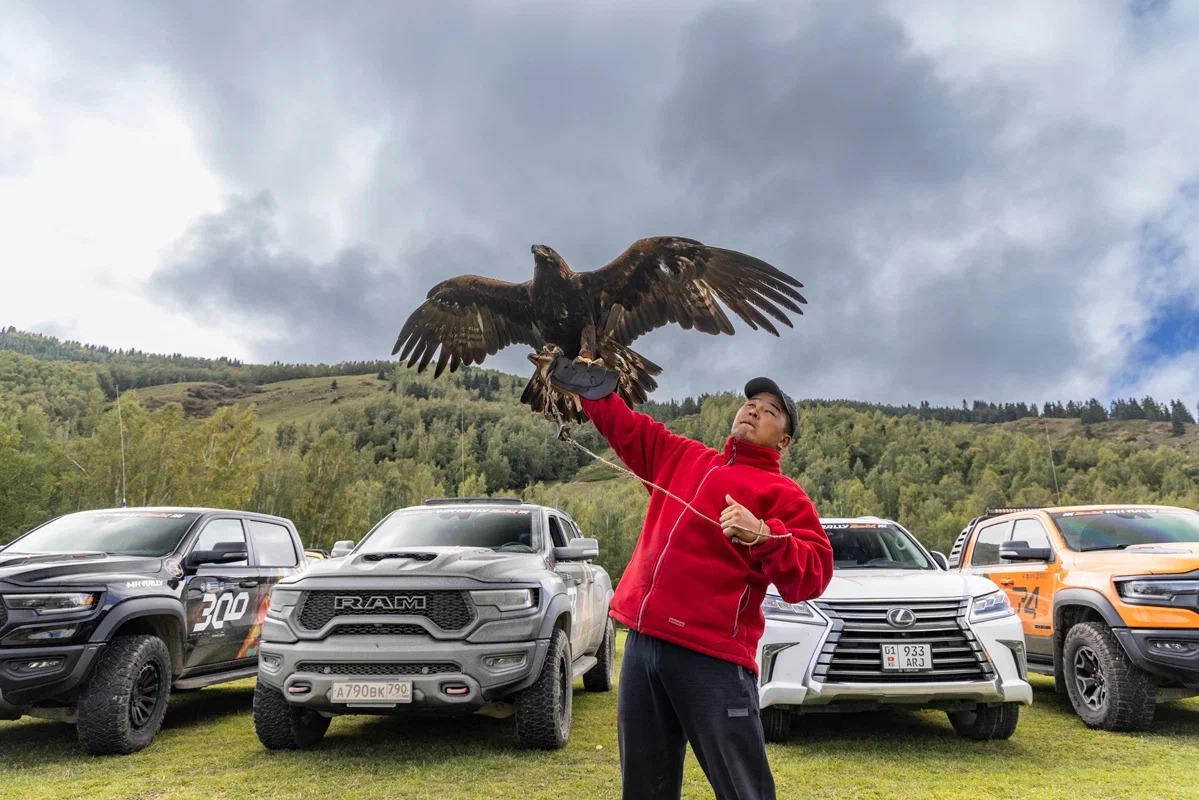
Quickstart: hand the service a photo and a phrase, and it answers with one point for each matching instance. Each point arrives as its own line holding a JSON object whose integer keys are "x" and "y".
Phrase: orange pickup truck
{"x": 1109, "y": 599}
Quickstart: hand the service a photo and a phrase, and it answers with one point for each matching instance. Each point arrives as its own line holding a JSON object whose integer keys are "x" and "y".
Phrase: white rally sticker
{"x": 222, "y": 608}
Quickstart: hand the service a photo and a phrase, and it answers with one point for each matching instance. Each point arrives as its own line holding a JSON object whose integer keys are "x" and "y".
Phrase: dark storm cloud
{"x": 814, "y": 136}
{"x": 231, "y": 269}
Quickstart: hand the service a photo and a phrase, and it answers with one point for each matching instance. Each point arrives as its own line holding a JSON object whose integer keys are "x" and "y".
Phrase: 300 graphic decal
{"x": 221, "y": 608}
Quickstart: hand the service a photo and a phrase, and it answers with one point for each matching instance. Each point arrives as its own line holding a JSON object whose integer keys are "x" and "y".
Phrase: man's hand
{"x": 740, "y": 525}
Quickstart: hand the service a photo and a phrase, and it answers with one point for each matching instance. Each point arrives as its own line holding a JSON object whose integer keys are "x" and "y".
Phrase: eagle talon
{"x": 589, "y": 362}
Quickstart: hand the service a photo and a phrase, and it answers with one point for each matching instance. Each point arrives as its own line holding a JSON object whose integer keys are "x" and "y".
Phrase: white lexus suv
{"x": 894, "y": 628}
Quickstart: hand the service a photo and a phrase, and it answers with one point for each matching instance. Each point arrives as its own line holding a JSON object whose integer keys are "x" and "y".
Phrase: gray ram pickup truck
{"x": 457, "y": 606}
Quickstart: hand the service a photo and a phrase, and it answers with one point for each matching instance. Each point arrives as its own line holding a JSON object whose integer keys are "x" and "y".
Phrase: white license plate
{"x": 371, "y": 692}
{"x": 907, "y": 657}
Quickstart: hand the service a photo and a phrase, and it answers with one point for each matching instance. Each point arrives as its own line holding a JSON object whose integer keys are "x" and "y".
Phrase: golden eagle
{"x": 595, "y": 316}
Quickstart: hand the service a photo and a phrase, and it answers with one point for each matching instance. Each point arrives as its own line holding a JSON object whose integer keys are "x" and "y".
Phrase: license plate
{"x": 371, "y": 692}
{"x": 907, "y": 657}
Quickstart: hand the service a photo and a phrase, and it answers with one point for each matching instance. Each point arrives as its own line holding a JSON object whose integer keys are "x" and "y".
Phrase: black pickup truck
{"x": 103, "y": 613}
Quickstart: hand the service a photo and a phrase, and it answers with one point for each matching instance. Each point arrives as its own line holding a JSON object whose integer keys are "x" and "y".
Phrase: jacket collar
{"x": 748, "y": 454}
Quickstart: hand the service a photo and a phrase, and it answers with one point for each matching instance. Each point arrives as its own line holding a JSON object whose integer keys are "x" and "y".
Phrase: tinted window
{"x": 986, "y": 544}
{"x": 507, "y": 529}
{"x": 556, "y": 534}
{"x": 222, "y": 531}
{"x": 127, "y": 533}
{"x": 1115, "y": 529}
{"x": 273, "y": 546}
{"x": 1032, "y": 532}
{"x": 873, "y": 545}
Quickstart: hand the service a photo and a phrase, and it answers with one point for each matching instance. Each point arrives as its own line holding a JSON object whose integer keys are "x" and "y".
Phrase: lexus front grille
{"x": 853, "y": 651}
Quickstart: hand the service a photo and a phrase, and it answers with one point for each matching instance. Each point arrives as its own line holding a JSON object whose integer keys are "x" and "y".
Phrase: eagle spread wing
{"x": 470, "y": 318}
{"x": 668, "y": 279}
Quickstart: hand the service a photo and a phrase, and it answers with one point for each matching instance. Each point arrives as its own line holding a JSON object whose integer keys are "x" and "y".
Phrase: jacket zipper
{"x": 740, "y": 608}
{"x": 658, "y": 565}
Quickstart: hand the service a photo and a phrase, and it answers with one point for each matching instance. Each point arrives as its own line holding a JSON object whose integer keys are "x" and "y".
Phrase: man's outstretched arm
{"x": 640, "y": 441}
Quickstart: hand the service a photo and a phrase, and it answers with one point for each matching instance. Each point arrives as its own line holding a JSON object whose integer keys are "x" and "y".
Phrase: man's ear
{"x": 786, "y": 440}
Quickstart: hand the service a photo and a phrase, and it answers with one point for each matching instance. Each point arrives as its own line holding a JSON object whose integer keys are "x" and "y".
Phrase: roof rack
{"x": 458, "y": 501}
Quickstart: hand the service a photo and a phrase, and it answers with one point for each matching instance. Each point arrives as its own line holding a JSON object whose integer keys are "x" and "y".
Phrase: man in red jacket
{"x": 692, "y": 592}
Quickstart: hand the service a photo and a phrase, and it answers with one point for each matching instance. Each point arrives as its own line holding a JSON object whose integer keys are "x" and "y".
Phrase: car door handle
{"x": 247, "y": 584}
{"x": 1007, "y": 582}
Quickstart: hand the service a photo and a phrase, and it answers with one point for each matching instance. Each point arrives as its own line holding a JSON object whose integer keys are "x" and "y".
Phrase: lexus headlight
{"x": 504, "y": 599}
{"x": 57, "y": 603}
{"x": 990, "y": 606}
{"x": 774, "y": 607}
{"x": 283, "y": 598}
{"x": 1156, "y": 590}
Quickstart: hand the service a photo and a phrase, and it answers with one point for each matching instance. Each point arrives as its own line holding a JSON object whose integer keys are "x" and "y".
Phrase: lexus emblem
{"x": 901, "y": 618}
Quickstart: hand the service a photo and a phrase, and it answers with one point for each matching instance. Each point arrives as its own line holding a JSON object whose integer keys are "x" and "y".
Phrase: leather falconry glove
{"x": 585, "y": 380}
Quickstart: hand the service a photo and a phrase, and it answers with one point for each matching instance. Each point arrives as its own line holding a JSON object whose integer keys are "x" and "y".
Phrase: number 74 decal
{"x": 221, "y": 608}
{"x": 1029, "y": 602}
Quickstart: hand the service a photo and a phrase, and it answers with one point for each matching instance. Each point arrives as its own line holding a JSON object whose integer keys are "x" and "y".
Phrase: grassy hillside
{"x": 300, "y": 401}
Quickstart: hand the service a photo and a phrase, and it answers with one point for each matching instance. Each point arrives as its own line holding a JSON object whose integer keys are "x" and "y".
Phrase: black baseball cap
{"x": 757, "y": 385}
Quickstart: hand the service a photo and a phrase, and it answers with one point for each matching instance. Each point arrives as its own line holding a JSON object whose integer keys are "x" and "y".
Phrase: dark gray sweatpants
{"x": 669, "y": 696}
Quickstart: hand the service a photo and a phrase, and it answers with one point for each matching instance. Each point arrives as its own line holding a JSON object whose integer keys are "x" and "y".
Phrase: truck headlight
{"x": 57, "y": 603}
{"x": 504, "y": 599}
{"x": 283, "y": 598}
{"x": 774, "y": 607}
{"x": 1157, "y": 591}
{"x": 990, "y": 606}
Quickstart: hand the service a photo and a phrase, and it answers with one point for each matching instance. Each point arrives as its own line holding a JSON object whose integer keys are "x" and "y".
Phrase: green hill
{"x": 336, "y": 451}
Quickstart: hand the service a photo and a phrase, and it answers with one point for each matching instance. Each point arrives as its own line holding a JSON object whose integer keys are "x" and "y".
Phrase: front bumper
{"x": 21, "y": 687}
{"x": 788, "y": 656}
{"x": 1170, "y": 653}
{"x": 470, "y": 685}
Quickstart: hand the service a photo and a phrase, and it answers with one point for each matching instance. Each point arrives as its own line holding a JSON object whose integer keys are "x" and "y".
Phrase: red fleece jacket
{"x": 686, "y": 582}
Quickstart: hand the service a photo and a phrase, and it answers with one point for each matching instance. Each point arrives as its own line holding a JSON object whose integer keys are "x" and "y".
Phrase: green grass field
{"x": 208, "y": 749}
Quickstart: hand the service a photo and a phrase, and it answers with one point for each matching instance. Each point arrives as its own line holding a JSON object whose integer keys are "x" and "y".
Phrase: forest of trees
{"x": 467, "y": 434}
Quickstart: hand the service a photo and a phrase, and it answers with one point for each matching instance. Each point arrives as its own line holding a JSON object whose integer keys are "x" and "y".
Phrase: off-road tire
{"x": 601, "y": 677}
{"x": 282, "y": 726}
{"x": 543, "y": 709}
{"x": 776, "y": 723}
{"x": 122, "y": 705}
{"x": 1107, "y": 690}
{"x": 986, "y": 722}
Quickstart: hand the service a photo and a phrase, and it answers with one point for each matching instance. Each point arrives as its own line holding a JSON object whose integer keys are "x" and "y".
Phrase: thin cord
{"x": 564, "y": 435}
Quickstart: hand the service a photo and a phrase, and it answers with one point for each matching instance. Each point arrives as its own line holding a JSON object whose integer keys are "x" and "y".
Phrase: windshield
{"x": 126, "y": 533}
{"x": 508, "y": 529}
{"x": 873, "y": 545}
{"x": 1117, "y": 528}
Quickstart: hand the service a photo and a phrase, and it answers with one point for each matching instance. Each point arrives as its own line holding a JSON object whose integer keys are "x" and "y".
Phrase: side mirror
{"x": 221, "y": 553}
{"x": 1020, "y": 551}
{"x": 341, "y": 547}
{"x": 940, "y": 559}
{"x": 577, "y": 550}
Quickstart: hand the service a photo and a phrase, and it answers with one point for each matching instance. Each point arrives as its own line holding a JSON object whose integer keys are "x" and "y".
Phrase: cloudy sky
{"x": 995, "y": 201}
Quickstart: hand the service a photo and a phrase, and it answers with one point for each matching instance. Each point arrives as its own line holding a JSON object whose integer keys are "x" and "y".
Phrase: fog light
{"x": 1166, "y": 647}
{"x": 270, "y": 662}
{"x": 34, "y": 666}
{"x": 299, "y": 688}
{"x": 504, "y": 662}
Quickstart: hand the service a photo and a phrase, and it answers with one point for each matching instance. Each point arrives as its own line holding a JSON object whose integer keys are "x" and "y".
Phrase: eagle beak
{"x": 538, "y": 250}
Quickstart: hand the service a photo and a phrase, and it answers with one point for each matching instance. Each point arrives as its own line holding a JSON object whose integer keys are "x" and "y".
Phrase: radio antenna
{"x": 121, "y": 425}
{"x": 1052, "y": 466}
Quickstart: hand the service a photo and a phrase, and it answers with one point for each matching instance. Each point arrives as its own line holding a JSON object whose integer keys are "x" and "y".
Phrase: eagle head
{"x": 546, "y": 256}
